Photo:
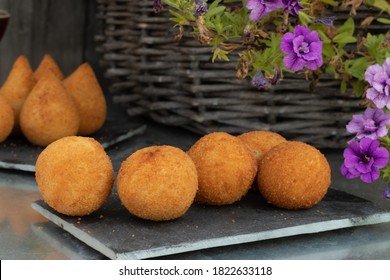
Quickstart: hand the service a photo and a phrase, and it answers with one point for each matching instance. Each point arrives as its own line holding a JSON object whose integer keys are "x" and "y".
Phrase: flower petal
{"x": 367, "y": 177}
{"x": 294, "y": 63}
{"x": 314, "y": 64}
{"x": 371, "y": 71}
{"x": 286, "y": 44}
{"x": 346, "y": 172}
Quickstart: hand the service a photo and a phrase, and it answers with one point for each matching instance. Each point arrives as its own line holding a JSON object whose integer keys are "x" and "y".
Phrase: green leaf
{"x": 357, "y": 67}
{"x": 383, "y": 20}
{"x": 358, "y": 88}
{"x": 383, "y": 5}
{"x": 343, "y": 86}
{"x": 220, "y": 54}
{"x": 330, "y": 2}
{"x": 328, "y": 51}
{"x": 348, "y": 27}
{"x": 344, "y": 38}
{"x": 215, "y": 11}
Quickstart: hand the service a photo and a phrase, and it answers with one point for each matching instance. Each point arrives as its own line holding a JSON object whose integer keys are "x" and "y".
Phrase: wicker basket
{"x": 176, "y": 84}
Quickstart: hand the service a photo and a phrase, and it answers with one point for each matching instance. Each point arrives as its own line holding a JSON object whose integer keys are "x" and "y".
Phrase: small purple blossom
{"x": 293, "y": 6}
{"x": 261, "y": 8}
{"x": 364, "y": 159}
{"x": 328, "y": 21}
{"x": 303, "y": 48}
{"x": 372, "y": 124}
{"x": 200, "y": 8}
{"x": 386, "y": 192}
{"x": 157, "y": 6}
{"x": 259, "y": 81}
{"x": 379, "y": 79}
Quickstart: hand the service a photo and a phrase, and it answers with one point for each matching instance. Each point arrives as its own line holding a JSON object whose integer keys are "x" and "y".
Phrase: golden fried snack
{"x": 226, "y": 168}
{"x": 85, "y": 89}
{"x": 18, "y": 86}
{"x": 293, "y": 175}
{"x": 74, "y": 175}
{"x": 49, "y": 112}
{"x": 157, "y": 183}
{"x": 6, "y": 119}
{"x": 261, "y": 142}
{"x": 48, "y": 62}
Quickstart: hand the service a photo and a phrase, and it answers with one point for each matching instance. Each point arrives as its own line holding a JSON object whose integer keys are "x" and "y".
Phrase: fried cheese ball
{"x": 260, "y": 141}
{"x": 226, "y": 168}
{"x": 75, "y": 175}
{"x": 293, "y": 175}
{"x": 6, "y": 119}
{"x": 157, "y": 183}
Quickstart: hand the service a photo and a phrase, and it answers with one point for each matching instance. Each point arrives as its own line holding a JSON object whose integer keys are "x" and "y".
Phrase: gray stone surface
{"x": 117, "y": 234}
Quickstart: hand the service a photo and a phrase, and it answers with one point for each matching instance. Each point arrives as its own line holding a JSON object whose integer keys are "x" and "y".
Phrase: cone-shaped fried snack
{"x": 6, "y": 119}
{"x": 48, "y": 63}
{"x": 49, "y": 112}
{"x": 18, "y": 86}
{"x": 83, "y": 85}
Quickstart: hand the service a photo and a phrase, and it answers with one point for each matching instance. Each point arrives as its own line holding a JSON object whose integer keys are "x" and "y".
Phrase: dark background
{"x": 64, "y": 29}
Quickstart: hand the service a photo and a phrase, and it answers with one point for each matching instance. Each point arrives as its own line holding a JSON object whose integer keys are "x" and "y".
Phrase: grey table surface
{"x": 25, "y": 234}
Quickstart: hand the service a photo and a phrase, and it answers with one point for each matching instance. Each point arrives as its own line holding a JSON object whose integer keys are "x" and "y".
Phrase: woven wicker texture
{"x": 175, "y": 83}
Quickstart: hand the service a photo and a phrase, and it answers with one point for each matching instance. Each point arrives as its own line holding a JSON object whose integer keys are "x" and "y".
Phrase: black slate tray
{"x": 114, "y": 232}
{"x": 18, "y": 154}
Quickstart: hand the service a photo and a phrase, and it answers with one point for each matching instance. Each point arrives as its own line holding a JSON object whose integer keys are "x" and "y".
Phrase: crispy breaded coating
{"x": 294, "y": 175}
{"x": 46, "y": 63}
{"x": 18, "y": 86}
{"x": 6, "y": 119}
{"x": 85, "y": 89}
{"x": 74, "y": 175}
{"x": 226, "y": 168}
{"x": 157, "y": 183}
{"x": 260, "y": 141}
{"x": 49, "y": 112}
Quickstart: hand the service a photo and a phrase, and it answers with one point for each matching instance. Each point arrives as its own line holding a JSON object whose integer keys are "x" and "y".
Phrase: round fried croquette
{"x": 157, "y": 183}
{"x": 6, "y": 119}
{"x": 293, "y": 175}
{"x": 260, "y": 141}
{"x": 75, "y": 175}
{"x": 226, "y": 168}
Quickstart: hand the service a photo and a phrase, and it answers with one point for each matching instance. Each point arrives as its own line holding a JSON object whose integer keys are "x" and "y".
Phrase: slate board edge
{"x": 216, "y": 242}
{"x": 17, "y": 166}
{"x": 31, "y": 168}
{"x": 79, "y": 234}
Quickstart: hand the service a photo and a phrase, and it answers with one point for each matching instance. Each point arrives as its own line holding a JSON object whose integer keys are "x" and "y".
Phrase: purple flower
{"x": 379, "y": 79}
{"x": 259, "y": 81}
{"x": 364, "y": 159}
{"x": 371, "y": 124}
{"x": 386, "y": 192}
{"x": 303, "y": 48}
{"x": 261, "y": 8}
{"x": 157, "y": 6}
{"x": 200, "y": 8}
{"x": 293, "y": 6}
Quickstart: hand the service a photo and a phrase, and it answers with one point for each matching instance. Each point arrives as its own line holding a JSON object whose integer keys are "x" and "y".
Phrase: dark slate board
{"x": 18, "y": 154}
{"x": 114, "y": 232}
